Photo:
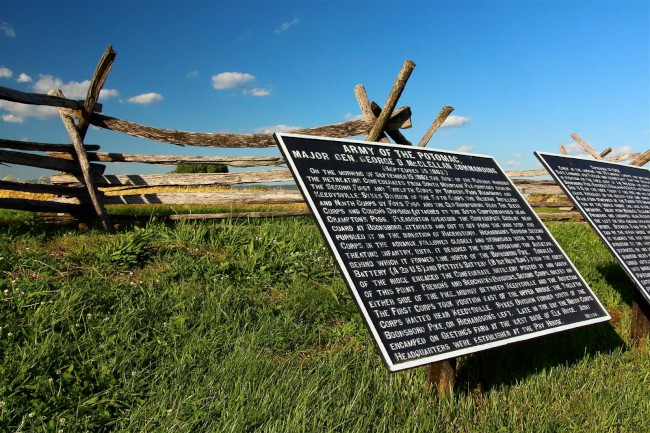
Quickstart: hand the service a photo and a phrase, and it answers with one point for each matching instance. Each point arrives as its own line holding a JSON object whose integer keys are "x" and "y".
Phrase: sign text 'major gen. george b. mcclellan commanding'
{"x": 441, "y": 253}
{"x": 615, "y": 199}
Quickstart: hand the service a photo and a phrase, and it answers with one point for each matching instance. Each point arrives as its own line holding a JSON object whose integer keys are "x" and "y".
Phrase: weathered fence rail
{"x": 75, "y": 188}
{"x": 399, "y": 119}
{"x": 181, "y": 179}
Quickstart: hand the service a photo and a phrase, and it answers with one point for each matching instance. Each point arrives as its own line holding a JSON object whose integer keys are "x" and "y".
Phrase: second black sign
{"x": 615, "y": 199}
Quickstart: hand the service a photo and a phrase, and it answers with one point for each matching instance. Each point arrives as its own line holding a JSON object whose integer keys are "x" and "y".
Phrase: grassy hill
{"x": 247, "y": 326}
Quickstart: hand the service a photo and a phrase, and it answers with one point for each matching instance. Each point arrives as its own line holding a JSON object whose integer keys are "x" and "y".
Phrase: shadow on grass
{"x": 510, "y": 364}
{"x": 616, "y": 277}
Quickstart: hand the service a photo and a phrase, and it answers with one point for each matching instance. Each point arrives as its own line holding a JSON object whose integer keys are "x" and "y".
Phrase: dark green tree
{"x": 200, "y": 168}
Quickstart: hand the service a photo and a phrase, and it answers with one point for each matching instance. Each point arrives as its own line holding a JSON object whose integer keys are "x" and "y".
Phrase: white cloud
{"x": 455, "y": 121}
{"x": 11, "y": 118}
{"x": 620, "y": 151}
{"x": 465, "y": 148}
{"x": 146, "y": 99}
{"x": 5, "y": 72}
{"x": 573, "y": 149}
{"x": 106, "y": 93}
{"x": 275, "y": 128}
{"x": 231, "y": 80}
{"x": 257, "y": 92}
{"x": 192, "y": 74}
{"x": 8, "y": 31}
{"x": 350, "y": 116}
{"x": 71, "y": 89}
{"x": 515, "y": 161}
{"x": 24, "y": 78}
{"x": 19, "y": 112}
{"x": 285, "y": 26}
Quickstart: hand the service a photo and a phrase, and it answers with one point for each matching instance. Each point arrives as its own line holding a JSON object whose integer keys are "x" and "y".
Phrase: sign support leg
{"x": 441, "y": 377}
{"x": 640, "y": 326}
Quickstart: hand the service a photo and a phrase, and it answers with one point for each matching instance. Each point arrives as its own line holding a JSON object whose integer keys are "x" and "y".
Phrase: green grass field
{"x": 247, "y": 326}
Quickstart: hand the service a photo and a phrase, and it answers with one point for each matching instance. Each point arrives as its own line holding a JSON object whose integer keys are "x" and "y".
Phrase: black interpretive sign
{"x": 615, "y": 200}
{"x": 441, "y": 253}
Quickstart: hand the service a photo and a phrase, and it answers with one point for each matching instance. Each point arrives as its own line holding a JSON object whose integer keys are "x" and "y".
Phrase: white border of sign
{"x": 355, "y": 291}
{"x": 585, "y": 214}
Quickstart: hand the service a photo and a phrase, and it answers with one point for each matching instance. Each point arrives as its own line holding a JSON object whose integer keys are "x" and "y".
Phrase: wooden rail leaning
{"x": 46, "y": 162}
{"x": 232, "y": 197}
{"x": 395, "y": 134}
{"x": 232, "y": 161}
{"x": 642, "y": 159}
{"x": 583, "y": 144}
{"x": 43, "y": 147}
{"x": 76, "y": 210}
{"x": 366, "y": 109}
{"x": 96, "y": 83}
{"x": 12, "y": 95}
{"x": 437, "y": 123}
{"x": 391, "y": 102}
{"x": 399, "y": 119}
{"x": 180, "y": 179}
{"x": 43, "y": 188}
{"x": 84, "y": 165}
{"x": 605, "y": 152}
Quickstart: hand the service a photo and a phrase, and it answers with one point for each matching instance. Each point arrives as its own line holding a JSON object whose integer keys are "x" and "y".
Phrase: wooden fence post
{"x": 441, "y": 377}
{"x": 78, "y": 132}
{"x": 366, "y": 109}
{"x": 396, "y": 135}
{"x": 84, "y": 165}
{"x": 391, "y": 102}
{"x": 640, "y": 320}
{"x": 583, "y": 144}
{"x": 642, "y": 159}
{"x": 440, "y": 119}
{"x": 96, "y": 83}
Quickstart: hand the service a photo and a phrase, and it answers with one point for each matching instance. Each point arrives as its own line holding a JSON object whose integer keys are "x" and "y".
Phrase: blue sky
{"x": 522, "y": 75}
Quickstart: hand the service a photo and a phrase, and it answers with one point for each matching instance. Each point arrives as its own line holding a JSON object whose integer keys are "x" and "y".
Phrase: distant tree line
{"x": 200, "y": 168}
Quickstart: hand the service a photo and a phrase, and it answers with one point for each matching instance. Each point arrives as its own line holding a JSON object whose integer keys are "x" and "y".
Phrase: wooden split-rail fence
{"x": 76, "y": 189}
